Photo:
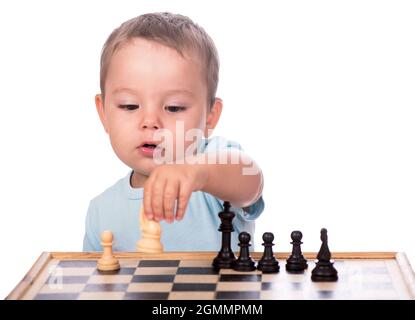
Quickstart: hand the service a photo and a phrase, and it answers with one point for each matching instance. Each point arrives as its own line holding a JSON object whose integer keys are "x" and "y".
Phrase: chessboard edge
{"x": 192, "y": 255}
{"x": 407, "y": 272}
{"x": 30, "y": 277}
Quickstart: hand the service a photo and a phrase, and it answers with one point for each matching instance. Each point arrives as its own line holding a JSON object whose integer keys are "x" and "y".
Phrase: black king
{"x": 225, "y": 258}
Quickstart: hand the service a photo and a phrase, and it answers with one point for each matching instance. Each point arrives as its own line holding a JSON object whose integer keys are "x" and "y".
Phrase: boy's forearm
{"x": 233, "y": 176}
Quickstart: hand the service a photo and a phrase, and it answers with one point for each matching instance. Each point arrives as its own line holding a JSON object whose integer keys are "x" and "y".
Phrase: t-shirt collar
{"x": 132, "y": 193}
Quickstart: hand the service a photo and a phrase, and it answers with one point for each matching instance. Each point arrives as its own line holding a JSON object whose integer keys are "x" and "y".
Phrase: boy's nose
{"x": 150, "y": 124}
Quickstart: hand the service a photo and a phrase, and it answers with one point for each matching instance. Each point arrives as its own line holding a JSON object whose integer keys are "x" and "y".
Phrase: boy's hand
{"x": 168, "y": 184}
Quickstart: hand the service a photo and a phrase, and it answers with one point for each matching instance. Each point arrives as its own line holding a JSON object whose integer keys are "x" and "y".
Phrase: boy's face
{"x": 150, "y": 87}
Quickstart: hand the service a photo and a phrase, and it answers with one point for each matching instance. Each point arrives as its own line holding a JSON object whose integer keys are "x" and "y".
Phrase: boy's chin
{"x": 144, "y": 169}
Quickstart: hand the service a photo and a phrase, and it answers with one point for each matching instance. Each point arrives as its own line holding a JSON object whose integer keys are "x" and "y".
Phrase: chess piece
{"x": 296, "y": 262}
{"x": 107, "y": 262}
{"x": 225, "y": 257}
{"x": 150, "y": 235}
{"x": 244, "y": 261}
{"x": 268, "y": 263}
{"x": 324, "y": 269}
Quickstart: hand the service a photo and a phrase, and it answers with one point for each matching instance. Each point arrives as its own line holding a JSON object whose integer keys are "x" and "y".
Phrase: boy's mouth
{"x": 147, "y": 149}
{"x": 149, "y": 145}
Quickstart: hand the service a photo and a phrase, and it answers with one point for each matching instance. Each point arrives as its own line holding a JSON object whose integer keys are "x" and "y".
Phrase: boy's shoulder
{"x": 217, "y": 143}
{"x": 117, "y": 190}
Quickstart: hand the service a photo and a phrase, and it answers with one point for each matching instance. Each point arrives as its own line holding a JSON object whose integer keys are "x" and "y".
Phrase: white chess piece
{"x": 107, "y": 262}
{"x": 150, "y": 235}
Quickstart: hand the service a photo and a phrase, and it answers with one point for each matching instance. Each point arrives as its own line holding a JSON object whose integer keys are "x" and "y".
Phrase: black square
{"x": 153, "y": 278}
{"x": 296, "y": 286}
{"x": 146, "y": 296}
{"x": 267, "y": 286}
{"x": 56, "y": 296}
{"x": 106, "y": 287}
{"x": 240, "y": 277}
{"x": 122, "y": 271}
{"x": 197, "y": 270}
{"x": 325, "y": 294}
{"x": 194, "y": 287}
{"x": 67, "y": 279}
{"x": 158, "y": 263}
{"x": 238, "y": 295}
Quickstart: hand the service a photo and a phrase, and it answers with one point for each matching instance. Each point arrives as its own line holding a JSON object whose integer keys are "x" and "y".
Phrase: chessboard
{"x": 190, "y": 275}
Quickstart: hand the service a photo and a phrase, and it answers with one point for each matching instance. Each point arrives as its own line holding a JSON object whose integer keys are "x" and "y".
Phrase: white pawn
{"x": 150, "y": 235}
{"x": 107, "y": 262}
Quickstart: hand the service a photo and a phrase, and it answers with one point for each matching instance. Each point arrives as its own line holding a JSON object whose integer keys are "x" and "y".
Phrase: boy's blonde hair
{"x": 173, "y": 30}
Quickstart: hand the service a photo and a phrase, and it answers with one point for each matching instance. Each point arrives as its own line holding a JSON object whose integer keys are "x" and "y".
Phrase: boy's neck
{"x": 137, "y": 180}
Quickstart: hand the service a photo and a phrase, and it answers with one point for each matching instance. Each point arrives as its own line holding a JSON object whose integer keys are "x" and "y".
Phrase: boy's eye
{"x": 175, "y": 109}
{"x": 129, "y": 106}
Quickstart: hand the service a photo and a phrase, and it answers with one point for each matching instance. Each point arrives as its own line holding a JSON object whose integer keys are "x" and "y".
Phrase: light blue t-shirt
{"x": 117, "y": 209}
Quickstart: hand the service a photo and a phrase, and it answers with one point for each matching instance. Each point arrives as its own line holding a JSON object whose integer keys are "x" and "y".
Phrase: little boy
{"x": 158, "y": 104}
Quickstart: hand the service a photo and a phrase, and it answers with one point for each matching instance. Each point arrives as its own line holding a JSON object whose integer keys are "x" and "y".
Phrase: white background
{"x": 320, "y": 93}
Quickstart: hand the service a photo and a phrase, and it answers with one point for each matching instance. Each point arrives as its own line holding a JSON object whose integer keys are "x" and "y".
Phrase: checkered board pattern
{"x": 172, "y": 278}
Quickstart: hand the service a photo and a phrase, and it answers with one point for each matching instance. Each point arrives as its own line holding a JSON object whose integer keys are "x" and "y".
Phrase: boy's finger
{"x": 171, "y": 191}
{"x": 157, "y": 191}
{"x": 184, "y": 195}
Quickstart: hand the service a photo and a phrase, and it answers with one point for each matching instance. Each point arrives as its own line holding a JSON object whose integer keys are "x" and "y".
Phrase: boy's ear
{"x": 213, "y": 116}
{"x": 99, "y": 103}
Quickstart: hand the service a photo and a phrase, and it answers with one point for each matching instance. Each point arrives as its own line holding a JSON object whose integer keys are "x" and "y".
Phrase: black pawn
{"x": 324, "y": 270}
{"x": 296, "y": 262}
{"x": 268, "y": 263}
{"x": 225, "y": 257}
{"x": 244, "y": 261}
